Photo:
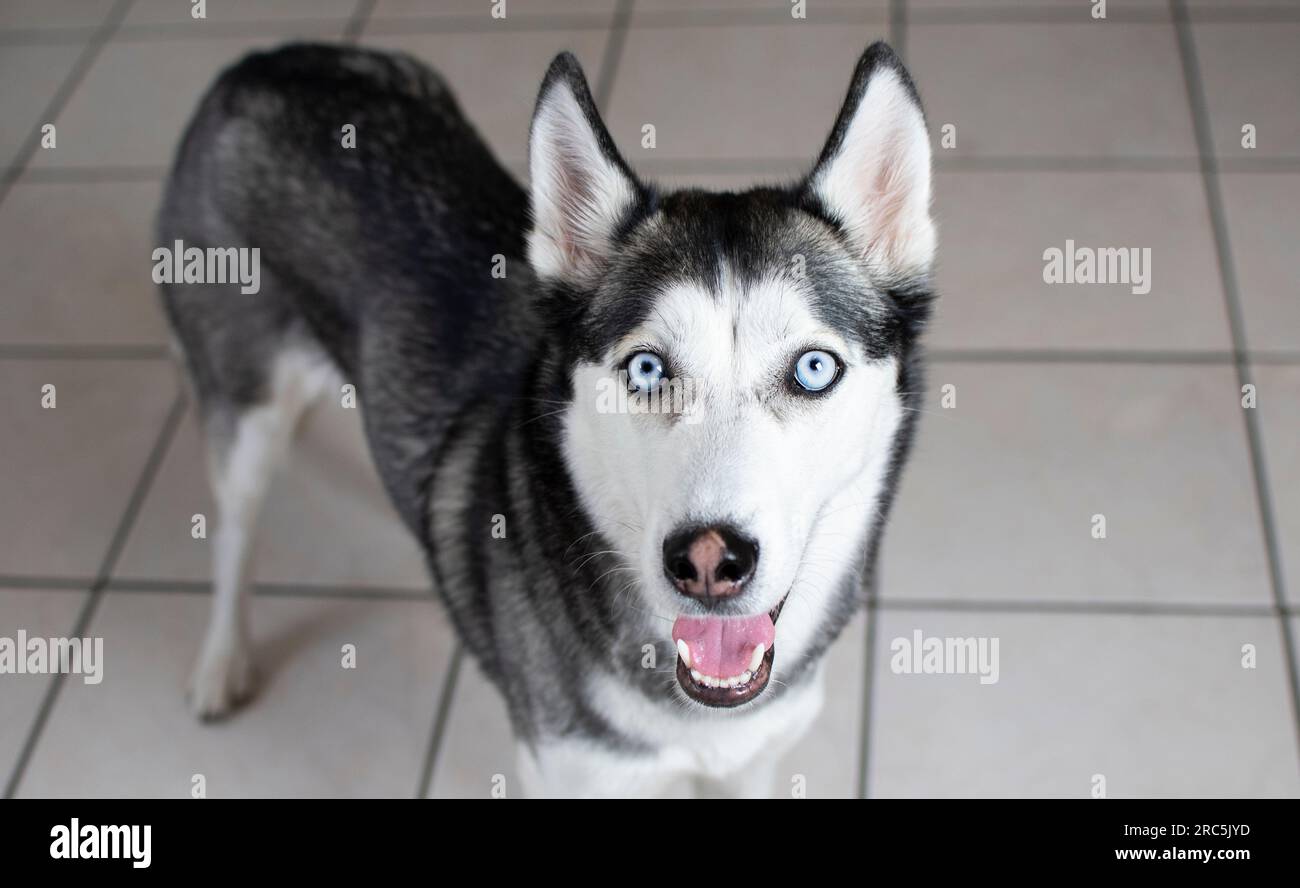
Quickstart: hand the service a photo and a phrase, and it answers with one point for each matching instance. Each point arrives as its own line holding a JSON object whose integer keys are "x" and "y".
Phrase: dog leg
{"x": 241, "y": 469}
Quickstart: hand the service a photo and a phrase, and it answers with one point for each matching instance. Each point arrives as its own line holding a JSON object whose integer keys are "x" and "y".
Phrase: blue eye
{"x": 645, "y": 371}
{"x": 815, "y": 370}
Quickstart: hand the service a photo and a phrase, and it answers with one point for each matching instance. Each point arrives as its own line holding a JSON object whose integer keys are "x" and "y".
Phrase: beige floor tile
{"x": 1251, "y": 75}
{"x": 316, "y": 729}
{"x": 994, "y": 228}
{"x": 23, "y": 14}
{"x": 1278, "y": 389}
{"x": 76, "y": 258}
{"x": 999, "y": 500}
{"x": 745, "y": 92}
{"x": 40, "y": 70}
{"x": 1263, "y": 229}
{"x": 155, "y": 11}
{"x": 41, "y": 613}
{"x": 477, "y": 759}
{"x": 1062, "y": 90}
{"x": 1159, "y": 706}
{"x": 495, "y": 76}
{"x": 70, "y": 470}
{"x": 136, "y": 99}
{"x": 327, "y": 520}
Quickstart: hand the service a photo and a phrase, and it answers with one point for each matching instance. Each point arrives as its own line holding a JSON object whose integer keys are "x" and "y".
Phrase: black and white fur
{"x": 478, "y": 391}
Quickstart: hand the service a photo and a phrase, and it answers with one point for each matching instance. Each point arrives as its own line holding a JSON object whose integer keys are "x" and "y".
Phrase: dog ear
{"x": 582, "y": 190}
{"x": 873, "y": 176}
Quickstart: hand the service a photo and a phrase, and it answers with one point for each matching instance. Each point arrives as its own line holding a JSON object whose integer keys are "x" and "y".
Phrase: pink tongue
{"x": 723, "y": 646}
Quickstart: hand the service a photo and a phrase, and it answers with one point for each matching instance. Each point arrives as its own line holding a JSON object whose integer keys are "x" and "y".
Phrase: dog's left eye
{"x": 645, "y": 370}
{"x": 815, "y": 370}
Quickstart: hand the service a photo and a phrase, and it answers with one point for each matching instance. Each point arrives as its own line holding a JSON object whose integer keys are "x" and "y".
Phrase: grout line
{"x": 95, "y": 593}
{"x": 19, "y": 351}
{"x": 973, "y": 14}
{"x": 360, "y": 18}
{"x": 1075, "y": 356}
{"x": 1258, "y": 164}
{"x": 777, "y": 168}
{"x": 1281, "y": 358}
{"x": 613, "y": 55}
{"x": 120, "y": 173}
{"x": 271, "y": 30}
{"x": 18, "y": 581}
{"x": 669, "y": 19}
{"x": 440, "y": 720}
{"x": 87, "y": 57}
{"x": 129, "y": 585}
{"x": 64, "y": 36}
{"x": 1098, "y": 608}
{"x": 1066, "y": 163}
{"x": 349, "y": 592}
{"x": 1236, "y": 323}
{"x": 481, "y": 23}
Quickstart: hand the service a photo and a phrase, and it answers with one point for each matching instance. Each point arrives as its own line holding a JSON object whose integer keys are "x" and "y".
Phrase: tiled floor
{"x": 1120, "y": 657}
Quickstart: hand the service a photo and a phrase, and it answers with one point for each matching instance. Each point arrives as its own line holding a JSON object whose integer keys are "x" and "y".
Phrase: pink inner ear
{"x": 575, "y": 194}
{"x": 878, "y": 182}
{"x": 888, "y": 195}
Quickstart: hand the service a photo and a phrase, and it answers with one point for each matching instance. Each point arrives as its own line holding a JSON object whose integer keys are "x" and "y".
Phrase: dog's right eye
{"x": 645, "y": 371}
{"x": 816, "y": 370}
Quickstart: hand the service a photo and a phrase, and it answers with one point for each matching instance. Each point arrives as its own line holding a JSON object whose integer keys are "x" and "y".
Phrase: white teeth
{"x": 713, "y": 681}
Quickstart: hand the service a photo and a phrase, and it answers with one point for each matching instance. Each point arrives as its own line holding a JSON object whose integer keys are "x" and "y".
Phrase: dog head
{"x": 737, "y": 368}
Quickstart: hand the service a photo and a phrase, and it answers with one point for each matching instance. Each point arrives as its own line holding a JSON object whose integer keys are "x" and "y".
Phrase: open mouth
{"x": 725, "y": 661}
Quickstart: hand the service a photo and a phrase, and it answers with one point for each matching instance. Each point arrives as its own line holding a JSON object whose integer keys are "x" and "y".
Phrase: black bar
{"x": 216, "y": 837}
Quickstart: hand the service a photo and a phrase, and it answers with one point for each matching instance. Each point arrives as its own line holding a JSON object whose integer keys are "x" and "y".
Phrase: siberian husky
{"x": 650, "y": 582}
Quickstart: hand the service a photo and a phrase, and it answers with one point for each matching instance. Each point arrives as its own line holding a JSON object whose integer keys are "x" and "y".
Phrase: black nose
{"x": 709, "y": 562}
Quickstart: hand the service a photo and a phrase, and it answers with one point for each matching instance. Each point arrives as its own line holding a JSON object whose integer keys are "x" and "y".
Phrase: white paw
{"x": 224, "y": 679}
